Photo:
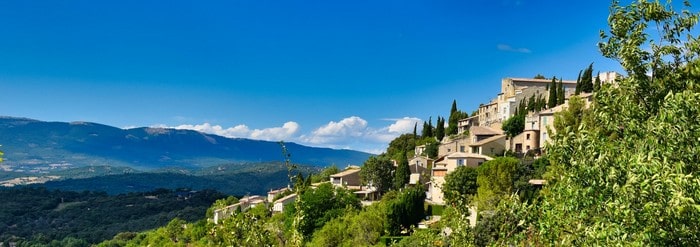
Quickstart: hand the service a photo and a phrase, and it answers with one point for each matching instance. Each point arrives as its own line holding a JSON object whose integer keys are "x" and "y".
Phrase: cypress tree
{"x": 552, "y": 101}
{"x": 578, "y": 83}
{"x": 587, "y": 79}
{"x": 455, "y": 115}
{"x": 415, "y": 131}
{"x": 430, "y": 128}
{"x": 598, "y": 83}
{"x": 560, "y": 93}
{"x": 403, "y": 172}
{"x": 440, "y": 128}
{"x": 426, "y": 130}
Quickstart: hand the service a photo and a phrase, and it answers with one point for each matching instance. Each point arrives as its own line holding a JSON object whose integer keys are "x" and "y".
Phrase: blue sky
{"x": 341, "y": 74}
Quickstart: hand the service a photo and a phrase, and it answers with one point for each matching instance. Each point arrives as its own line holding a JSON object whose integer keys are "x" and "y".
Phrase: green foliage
{"x": 27, "y": 213}
{"x": 552, "y": 99}
{"x": 405, "y": 210}
{"x": 377, "y": 171}
{"x": 460, "y": 182}
{"x": 597, "y": 84}
{"x": 495, "y": 181}
{"x": 455, "y": 116}
{"x": 325, "y": 174}
{"x": 432, "y": 147}
{"x": 403, "y": 145}
{"x": 539, "y": 76}
{"x": 514, "y": 125}
{"x": 402, "y": 174}
{"x": 627, "y": 176}
{"x": 440, "y": 129}
{"x": 422, "y": 238}
{"x": 569, "y": 120}
{"x": 428, "y": 128}
{"x": 585, "y": 81}
{"x": 322, "y": 204}
{"x": 560, "y": 93}
{"x": 355, "y": 228}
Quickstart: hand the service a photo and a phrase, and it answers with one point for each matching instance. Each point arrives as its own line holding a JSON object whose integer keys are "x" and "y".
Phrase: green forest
{"x": 620, "y": 172}
{"x": 41, "y": 217}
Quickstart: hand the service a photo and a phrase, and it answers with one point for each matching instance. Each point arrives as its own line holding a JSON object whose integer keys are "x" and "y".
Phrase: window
{"x": 527, "y": 137}
{"x": 461, "y": 149}
{"x": 527, "y": 148}
{"x": 475, "y": 150}
{"x": 460, "y": 162}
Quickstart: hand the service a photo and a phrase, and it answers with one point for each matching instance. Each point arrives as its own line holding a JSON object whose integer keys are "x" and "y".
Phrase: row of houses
{"x": 248, "y": 202}
{"x": 480, "y": 137}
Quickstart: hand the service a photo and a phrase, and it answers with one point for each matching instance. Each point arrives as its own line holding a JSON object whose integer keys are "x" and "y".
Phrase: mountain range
{"x": 32, "y": 146}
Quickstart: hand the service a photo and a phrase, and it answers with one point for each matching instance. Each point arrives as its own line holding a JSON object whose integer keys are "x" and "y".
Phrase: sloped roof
{"x": 468, "y": 155}
{"x": 345, "y": 173}
{"x": 483, "y": 130}
{"x": 552, "y": 110}
{"x": 487, "y": 140}
{"x": 288, "y": 197}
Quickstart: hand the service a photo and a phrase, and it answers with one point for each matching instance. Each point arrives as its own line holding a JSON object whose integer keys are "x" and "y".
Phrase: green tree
{"x": 323, "y": 204}
{"x": 355, "y": 228}
{"x": 431, "y": 148}
{"x": 539, "y": 76}
{"x": 440, "y": 129}
{"x": 495, "y": 181}
{"x": 427, "y": 128}
{"x": 401, "y": 145}
{"x": 587, "y": 79}
{"x": 175, "y": 230}
{"x": 578, "y": 82}
{"x": 453, "y": 121}
{"x": 377, "y": 171}
{"x": 628, "y": 177}
{"x": 460, "y": 182}
{"x": 560, "y": 93}
{"x": 406, "y": 210}
{"x": 514, "y": 125}
{"x": 325, "y": 174}
{"x": 552, "y": 100}
{"x": 569, "y": 120}
{"x": 402, "y": 174}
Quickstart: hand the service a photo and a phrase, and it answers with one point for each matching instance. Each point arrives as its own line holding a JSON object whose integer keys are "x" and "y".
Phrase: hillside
{"x": 232, "y": 179}
{"x": 39, "y": 147}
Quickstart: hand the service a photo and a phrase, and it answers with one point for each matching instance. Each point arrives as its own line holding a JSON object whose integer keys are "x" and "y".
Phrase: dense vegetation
{"x": 619, "y": 173}
{"x": 41, "y": 216}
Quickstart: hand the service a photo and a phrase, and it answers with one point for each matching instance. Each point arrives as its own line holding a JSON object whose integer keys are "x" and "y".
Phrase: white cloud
{"x": 508, "y": 48}
{"x": 354, "y": 133}
{"x": 404, "y": 125}
{"x": 287, "y": 131}
{"x": 349, "y": 133}
{"x": 277, "y": 133}
{"x": 351, "y": 127}
{"x": 236, "y": 131}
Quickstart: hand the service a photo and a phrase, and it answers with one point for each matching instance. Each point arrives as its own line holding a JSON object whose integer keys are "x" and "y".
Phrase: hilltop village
{"x": 479, "y": 138}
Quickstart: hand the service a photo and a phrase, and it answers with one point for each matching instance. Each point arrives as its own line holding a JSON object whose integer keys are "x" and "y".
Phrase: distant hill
{"x": 33, "y": 146}
{"x": 232, "y": 179}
